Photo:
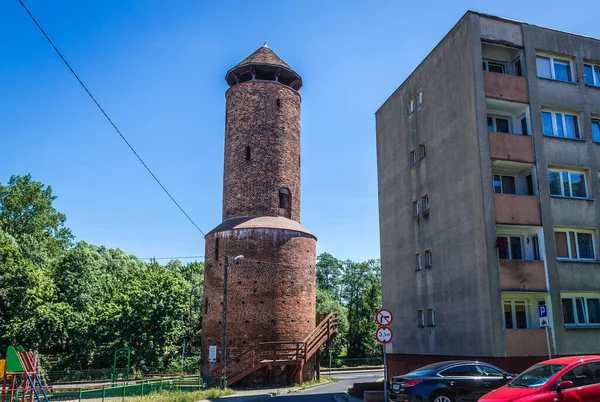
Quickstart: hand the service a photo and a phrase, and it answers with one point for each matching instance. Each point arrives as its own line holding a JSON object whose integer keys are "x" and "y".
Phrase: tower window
{"x": 285, "y": 201}
{"x": 278, "y": 102}
{"x": 247, "y": 152}
{"x": 217, "y": 249}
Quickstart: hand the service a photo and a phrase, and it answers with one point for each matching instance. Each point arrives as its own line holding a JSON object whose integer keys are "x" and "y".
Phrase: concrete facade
{"x": 465, "y": 268}
{"x": 271, "y": 290}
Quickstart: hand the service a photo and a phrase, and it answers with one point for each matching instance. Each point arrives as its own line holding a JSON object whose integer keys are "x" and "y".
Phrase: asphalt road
{"x": 325, "y": 393}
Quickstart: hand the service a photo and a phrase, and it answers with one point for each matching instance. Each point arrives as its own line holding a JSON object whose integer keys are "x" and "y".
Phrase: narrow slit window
{"x": 410, "y": 106}
{"x": 420, "y": 319}
{"x": 248, "y": 153}
{"x": 415, "y": 208}
{"x": 217, "y": 249}
{"x": 428, "y": 259}
{"x": 278, "y": 102}
{"x": 430, "y": 317}
{"x": 413, "y": 156}
{"x": 285, "y": 202}
{"x": 418, "y": 261}
{"x": 422, "y": 151}
{"x": 425, "y": 203}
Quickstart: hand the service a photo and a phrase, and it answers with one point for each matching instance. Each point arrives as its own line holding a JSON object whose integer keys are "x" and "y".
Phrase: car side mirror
{"x": 564, "y": 385}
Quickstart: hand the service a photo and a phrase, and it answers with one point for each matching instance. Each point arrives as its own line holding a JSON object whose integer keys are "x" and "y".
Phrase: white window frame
{"x": 513, "y": 312}
{"x": 501, "y": 184}
{"x": 410, "y": 107}
{"x": 568, "y": 238}
{"x": 494, "y": 117}
{"x": 413, "y": 156}
{"x": 574, "y": 297}
{"x": 419, "y": 261}
{"x": 427, "y": 258}
{"x": 562, "y": 188}
{"x": 416, "y": 208}
{"x": 509, "y": 249}
{"x": 594, "y": 67}
{"x": 486, "y": 65}
{"x": 595, "y": 120}
{"x": 425, "y": 203}
{"x": 419, "y": 97}
{"x": 552, "y": 58}
{"x": 563, "y": 113}
{"x": 430, "y": 317}
{"x": 420, "y": 318}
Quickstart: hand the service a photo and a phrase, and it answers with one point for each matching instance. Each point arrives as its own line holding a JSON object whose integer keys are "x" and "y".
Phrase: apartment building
{"x": 489, "y": 197}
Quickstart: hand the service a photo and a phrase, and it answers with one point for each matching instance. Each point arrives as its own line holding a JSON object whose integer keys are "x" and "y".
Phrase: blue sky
{"x": 158, "y": 67}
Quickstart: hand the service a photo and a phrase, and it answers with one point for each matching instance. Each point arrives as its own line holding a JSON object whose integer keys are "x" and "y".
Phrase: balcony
{"x": 511, "y": 147}
{"x": 526, "y": 342}
{"x": 512, "y": 209}
{"x": 522, "y": 275}
{"x": 506, "y": 87}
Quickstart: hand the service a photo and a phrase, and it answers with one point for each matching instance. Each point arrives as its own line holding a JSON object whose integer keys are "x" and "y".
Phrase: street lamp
{"x": 224, "y": 321}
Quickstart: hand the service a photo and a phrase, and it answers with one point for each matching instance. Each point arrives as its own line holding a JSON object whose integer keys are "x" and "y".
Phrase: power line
{"x": 170, "y": 258}
{"x": 108, "y": 118}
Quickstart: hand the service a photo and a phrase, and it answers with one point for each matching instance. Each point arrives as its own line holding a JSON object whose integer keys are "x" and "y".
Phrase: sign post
{"x": 384, "y": 335}
{"x": 544, "y": 324}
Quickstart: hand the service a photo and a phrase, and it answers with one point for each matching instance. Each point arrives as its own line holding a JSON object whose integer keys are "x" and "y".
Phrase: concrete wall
{"x": 566, "y": 276}
{"x": 458, "y": 285}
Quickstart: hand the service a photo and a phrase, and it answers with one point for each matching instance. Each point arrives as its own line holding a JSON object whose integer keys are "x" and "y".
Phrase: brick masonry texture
{"x": 271, "y": 292}
{"x": 264, "y": 116}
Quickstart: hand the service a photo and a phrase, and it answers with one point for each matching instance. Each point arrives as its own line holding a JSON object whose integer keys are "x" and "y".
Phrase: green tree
{"x": 27, "y": 214}
{"x": 329, "y": 274}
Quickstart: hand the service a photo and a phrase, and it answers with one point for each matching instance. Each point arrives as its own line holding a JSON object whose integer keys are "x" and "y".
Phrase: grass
{"x": 313, "y": 383}
{"x": 178, "y": 396}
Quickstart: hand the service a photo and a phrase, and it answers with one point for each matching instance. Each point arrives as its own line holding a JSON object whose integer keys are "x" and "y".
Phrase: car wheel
{"x": 441, "y": 398}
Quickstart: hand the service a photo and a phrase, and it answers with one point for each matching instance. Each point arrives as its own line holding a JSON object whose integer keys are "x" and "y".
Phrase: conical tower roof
{"x": 264, "y": 55}
{"x": 264, "y": 64}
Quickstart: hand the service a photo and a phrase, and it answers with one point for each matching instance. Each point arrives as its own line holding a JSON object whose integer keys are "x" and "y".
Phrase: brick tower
{"x": 271, "y": 290}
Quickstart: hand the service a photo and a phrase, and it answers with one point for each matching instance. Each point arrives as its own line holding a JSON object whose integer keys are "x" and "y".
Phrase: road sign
{"x": 543, "y": 322}
{"x": 384, "y": 317}
{"x": 384, "y": 335}
{"x": 542, "y": 310}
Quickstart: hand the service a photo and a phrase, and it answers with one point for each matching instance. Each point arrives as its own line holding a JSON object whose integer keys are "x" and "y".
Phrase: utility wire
{"x": 170, "y": 258}
{"x": 108, "y": 118}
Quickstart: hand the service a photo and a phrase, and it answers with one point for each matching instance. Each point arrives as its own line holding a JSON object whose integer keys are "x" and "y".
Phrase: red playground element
{"x": 21, "y": 380}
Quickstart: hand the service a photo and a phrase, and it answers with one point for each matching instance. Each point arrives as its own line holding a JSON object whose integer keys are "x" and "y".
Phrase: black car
{"x": 450, "y": 381}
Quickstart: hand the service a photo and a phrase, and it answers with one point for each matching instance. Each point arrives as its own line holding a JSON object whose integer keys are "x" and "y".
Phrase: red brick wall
{"x": 271, "y": 291}
{"x": 264, "y": 115}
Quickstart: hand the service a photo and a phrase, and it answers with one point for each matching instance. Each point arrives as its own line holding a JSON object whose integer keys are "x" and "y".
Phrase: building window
{"x": 422, "y": 151}
{"x": 510, "y": 247}
{"x": 596, "y": 129}
{"x": 559, "y": 124}
{"x": 419, "y": 98}
{"x": 567, "y": 183}
{"x": 410, "y": 106}
{"x": 430, "y": 317}
{"x": 285, "y": 201}
{"x": 217, "y": 249}
{"x": 415, "y": 208}
{"x": 498, "y": 124}
{"x": 494, "y": 66}
{"x": 419, "y": 261}
{"x": 420, "y": 319}
{"x": 555, "y": 68}
{"x": 581, "y": 309}
{"x": 428, "y": 258}
{"x": 425, "y": 203}
{"x": 504, "y": 184}
{"x": 515, "y": 314}
{"x": 575, "y": 244}
{"x": 413, "y": 156}
{"x": 247, "y": 152}
{"x": 592, "y": 74}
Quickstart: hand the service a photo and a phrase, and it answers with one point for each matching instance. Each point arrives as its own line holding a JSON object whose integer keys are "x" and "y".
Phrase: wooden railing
{"x": 286, "y": 352}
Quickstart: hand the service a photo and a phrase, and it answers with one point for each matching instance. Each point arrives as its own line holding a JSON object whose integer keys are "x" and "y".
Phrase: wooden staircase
{"x": 266, "y": 355}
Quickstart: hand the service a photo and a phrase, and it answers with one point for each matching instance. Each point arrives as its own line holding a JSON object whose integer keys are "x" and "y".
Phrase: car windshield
{"x": 536, "y": 376}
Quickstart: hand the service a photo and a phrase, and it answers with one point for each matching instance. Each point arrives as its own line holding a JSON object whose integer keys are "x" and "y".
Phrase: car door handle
{"x": 487, "y": 384}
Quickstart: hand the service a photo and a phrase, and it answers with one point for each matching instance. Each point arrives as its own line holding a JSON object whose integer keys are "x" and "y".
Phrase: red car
{"x": 564, "y": 379}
